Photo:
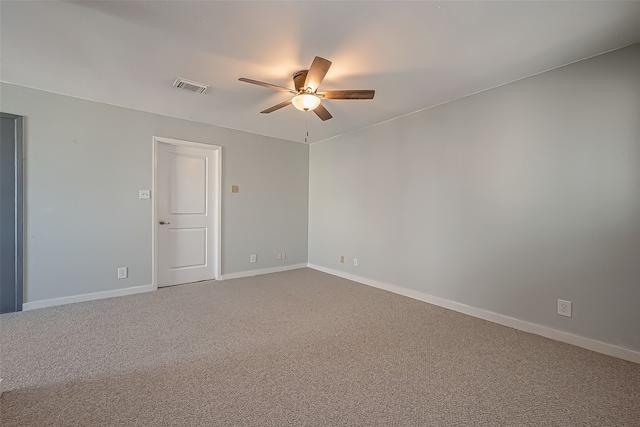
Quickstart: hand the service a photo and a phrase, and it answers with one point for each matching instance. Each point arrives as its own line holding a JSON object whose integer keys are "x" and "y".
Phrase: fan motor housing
{"x": 298, "y": 79}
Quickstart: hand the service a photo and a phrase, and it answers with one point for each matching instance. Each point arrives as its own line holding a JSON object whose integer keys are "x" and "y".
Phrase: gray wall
{"x": 505, "y": 200}
{"x": 84, "y": 165}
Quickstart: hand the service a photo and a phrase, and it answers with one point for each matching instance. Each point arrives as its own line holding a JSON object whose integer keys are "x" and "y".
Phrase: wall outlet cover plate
{"x": 123, "y": 272}
{"x": 564, "y": 308}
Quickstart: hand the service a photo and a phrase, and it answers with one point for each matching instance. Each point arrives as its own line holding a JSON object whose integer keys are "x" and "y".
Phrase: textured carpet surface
{"x": 298, "y": 348}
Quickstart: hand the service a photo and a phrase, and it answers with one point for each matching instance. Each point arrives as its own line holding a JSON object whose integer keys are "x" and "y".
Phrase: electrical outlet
{"x": 342, "y": 260}
{"x": 355, "y": 262}
{"x": 564, "y": 308}
{"x": 253, "y": 258}
{"x": 123, "y": 272}
{"x": 279, "y": 256}
{"x": 144, "y": 194}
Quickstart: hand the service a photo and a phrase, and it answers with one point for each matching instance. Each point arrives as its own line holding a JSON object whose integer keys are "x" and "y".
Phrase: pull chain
{"x": 306, "y": 126}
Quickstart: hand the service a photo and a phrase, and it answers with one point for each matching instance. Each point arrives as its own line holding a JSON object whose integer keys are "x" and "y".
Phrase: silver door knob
{"x": 163, "y": 223}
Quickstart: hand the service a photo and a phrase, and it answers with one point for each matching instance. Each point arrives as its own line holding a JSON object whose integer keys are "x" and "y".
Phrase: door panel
{"x": 190, "y": 247}
{"x": 188, "y": 184}
{"x": 186, "y": 192}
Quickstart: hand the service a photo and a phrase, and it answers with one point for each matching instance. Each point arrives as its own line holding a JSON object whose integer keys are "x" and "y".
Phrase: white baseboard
{"x": 87, "y": 297}
{"x": 258, "y": 272}
{"x": 145, "y": 288}
{"x": 554, "y": 334}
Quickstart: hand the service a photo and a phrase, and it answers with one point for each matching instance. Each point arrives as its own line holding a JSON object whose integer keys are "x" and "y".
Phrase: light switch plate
{"x": 235, "y": 189}
{"x": 144, "y": 194}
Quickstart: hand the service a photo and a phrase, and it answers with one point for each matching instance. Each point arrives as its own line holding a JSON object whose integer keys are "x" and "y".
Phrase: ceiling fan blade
{"x": 322, "y": 112}
{"x": 269, "y": 85}
{"x": 277, "y": 107}
{"x": 348, "y": 94}
{"x": 318, "y": 70}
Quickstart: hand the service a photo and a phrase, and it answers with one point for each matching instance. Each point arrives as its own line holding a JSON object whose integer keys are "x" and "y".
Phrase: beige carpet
{"x": 299, "y": 348}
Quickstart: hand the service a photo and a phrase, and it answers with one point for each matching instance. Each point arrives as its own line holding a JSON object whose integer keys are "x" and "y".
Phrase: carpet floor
{"x": 298, "y": 348}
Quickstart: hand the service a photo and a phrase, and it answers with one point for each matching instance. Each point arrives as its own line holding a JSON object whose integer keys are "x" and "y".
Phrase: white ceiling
{"x": 414, "y": 54}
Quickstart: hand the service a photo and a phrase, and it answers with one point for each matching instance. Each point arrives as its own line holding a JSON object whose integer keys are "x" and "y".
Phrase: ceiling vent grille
{"x": 189, "y": 85}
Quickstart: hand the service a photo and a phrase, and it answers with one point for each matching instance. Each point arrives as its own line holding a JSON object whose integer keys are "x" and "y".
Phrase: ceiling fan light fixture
{"x": 305, "y": 102}
{"x": 306, "y": 95}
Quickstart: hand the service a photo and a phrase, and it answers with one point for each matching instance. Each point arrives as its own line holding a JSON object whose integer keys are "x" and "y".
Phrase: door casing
{"x": 217, "y": 220}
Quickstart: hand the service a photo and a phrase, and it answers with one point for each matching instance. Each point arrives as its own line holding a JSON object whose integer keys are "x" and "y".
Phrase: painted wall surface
{"x": 506, "y": 200}
{"x": 86, "y": 161}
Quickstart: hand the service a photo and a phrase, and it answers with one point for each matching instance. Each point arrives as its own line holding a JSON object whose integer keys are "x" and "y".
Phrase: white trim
{"x": 554, "y": 334}
{"x": 87, "y": 297}
{"x": 258, "y": 272}
{"x": 217, "y": 149}
{"x": 154, "y": 164}
{"x": 1, "y": 387}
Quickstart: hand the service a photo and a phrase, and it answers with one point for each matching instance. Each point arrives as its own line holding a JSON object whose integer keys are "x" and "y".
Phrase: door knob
{"x": 163, "y": 223}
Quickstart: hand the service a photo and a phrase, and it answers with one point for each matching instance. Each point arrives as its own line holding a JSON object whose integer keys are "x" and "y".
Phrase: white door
{"x": 187, "y": 202}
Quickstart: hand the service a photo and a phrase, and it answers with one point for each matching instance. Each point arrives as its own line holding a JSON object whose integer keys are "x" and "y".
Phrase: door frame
{"x": 18, "y": 209}
{"x": 217, "y": 202}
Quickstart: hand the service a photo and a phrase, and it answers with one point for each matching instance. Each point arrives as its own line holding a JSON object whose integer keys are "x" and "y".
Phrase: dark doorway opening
{"x": 11, "y": 258}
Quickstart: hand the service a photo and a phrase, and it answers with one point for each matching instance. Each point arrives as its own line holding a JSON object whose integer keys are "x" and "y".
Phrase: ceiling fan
{"x": 307, "y": 97}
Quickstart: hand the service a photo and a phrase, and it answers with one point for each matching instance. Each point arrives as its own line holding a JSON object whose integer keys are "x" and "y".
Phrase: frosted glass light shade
{"x": 305, "y": 102}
